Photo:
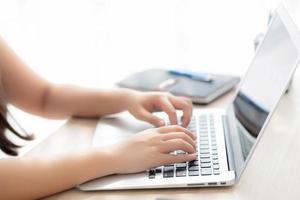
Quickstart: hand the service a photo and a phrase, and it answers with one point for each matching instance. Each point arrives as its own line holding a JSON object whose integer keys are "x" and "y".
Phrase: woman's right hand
{"x": 152, "y": 148}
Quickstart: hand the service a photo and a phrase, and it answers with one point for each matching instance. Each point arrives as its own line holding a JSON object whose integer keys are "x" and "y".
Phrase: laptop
{"x": 226, "y": 138}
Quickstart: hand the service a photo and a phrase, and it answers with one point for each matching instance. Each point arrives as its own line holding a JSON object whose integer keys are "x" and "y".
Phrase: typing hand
{"x": 142, "y": 104}
{"x": 152, "y": 148}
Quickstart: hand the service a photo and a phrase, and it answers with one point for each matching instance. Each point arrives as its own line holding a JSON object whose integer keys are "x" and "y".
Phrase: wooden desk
{"x": 273, "y": 171}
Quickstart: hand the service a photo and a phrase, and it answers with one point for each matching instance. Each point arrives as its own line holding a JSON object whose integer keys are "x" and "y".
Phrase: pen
{"x": 198, "y": 76}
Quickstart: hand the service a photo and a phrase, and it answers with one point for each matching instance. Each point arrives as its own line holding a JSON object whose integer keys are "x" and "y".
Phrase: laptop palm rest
{"x": 111, "y": 130}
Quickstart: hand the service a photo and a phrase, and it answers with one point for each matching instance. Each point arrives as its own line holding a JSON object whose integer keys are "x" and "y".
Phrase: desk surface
{"x": 272, "y": 172}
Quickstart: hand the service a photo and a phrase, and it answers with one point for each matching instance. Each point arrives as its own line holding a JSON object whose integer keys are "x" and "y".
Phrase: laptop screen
{"x": 264, "y": 84}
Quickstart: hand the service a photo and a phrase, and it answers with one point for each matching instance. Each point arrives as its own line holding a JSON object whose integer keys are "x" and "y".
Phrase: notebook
{"x": 198, "y": 91}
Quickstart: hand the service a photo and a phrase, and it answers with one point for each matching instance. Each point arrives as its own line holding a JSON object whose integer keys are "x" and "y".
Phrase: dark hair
{"x": 6, "y": 145}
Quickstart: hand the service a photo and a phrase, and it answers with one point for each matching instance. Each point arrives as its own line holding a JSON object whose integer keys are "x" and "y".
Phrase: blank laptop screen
{"x": 264, "y": 83}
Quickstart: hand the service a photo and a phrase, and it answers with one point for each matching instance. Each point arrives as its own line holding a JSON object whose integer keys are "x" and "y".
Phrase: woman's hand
{"x": 142, "y": 104}
{"x": 152, "y": 148}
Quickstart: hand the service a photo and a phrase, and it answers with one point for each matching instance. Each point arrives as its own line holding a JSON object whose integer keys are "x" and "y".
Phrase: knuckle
{"x": 180, "y": 141}
{"x": 139, "y": 115}
{"x": 157, "y": 98}
{"x": 185, "y": 106}
{"x": 186, "y": 137}
{"x": 188, "y": 100}
{"x": 182, "y": 135}
{"x": 155, "y": 137}
{"x": 172, "y": 112}
{"x": 178, "y": 128}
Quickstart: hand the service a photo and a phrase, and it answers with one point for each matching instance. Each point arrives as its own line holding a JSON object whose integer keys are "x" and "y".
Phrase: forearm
{"x": 31, "y": 178}
{"x": 64, "y": 101}
{"x": 28, "y": 91}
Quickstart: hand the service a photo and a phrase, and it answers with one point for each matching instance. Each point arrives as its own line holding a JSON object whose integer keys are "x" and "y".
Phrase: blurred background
{"x": 95, "y": 43}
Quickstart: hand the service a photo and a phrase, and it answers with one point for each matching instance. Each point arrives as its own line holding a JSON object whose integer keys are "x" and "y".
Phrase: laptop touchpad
{"x": 113, "y": 129}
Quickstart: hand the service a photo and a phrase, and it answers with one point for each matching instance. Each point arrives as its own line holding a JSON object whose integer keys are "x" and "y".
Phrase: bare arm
{"x": 28, "y": 91}
{"x": 37, "y": 177}
{"x": 32, "y": 178}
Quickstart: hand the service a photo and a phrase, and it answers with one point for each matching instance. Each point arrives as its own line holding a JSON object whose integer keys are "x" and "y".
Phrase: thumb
{"x": 147, "y": 116}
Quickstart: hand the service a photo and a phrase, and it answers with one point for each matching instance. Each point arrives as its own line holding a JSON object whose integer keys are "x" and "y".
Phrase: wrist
{"x": 124, "y": 97}
{"x": 107, "y": 161}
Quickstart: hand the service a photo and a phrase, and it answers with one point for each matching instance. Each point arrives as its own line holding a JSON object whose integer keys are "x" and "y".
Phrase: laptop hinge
{"x": 228, "y": 145}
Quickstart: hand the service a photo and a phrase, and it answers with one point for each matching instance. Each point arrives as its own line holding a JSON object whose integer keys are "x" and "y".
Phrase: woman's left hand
{"x": 142, "y": 104}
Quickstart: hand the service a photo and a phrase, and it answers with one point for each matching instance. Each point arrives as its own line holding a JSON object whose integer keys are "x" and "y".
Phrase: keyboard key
{"x": 216, "y": 172}
{"x": 181, "y": 172}
{"x": 204, "y": 139}
{"x": 215, "y": 162}
{"x": 204, "y": 147}
{"x": 203, "y": 133}
{"x": 181, "y": 165}
{"x": 216, "y": 167}
{"x": 151, "y": 173}
{"x": 204, "y": 156}
{"x": 205, "y": 160}
{"x": 193, "y": 173}
{"x": 193, "y": 168}
{"x": 203, "y": 143}
{"x": 206, "y": 171}
{"x": 205, "y": 165}
{"x": 158, "y": 170}
{"x": 214, "y": 157}
{"x": 214, "y": 152}
{"x": 204, "y": 151}
{"x": 194, "y": 163}
{"x": 180, "y": 152}
{"x": 168, "y": 172}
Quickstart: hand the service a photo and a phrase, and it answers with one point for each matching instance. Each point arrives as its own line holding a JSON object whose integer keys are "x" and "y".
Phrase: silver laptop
{"x": 226, "y": 139}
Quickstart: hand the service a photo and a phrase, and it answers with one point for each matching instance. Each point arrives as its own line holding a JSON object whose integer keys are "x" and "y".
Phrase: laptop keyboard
{"x": 207, "y": 162}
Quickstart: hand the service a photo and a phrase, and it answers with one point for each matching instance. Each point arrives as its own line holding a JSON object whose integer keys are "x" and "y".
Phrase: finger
{"x": 166, "y": 106}
{"x": 185, "y": 105}
{"x": 177, "y": 144}
{"x": 150, "y": 118}
{"x": 180, "y": 135}
{"x": 176, "y": 128}
{"x": 170, "y": 159}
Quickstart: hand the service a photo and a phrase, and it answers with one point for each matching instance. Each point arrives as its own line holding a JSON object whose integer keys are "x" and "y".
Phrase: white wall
{"x": 85, "y": 41}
